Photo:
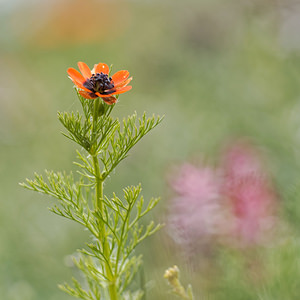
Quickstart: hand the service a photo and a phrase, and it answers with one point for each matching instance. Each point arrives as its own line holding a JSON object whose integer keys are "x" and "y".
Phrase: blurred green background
{"x": 216, "y": 69}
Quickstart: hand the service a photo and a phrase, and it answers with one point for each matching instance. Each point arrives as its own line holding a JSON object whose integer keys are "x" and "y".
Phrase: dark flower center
{"x": 100, "y": 83}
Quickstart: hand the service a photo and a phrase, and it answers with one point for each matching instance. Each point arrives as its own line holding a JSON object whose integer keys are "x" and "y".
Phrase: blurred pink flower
{"x": 252, "y": 197}
{"x": 196, "y": 212}
{"x": 236, "y": 202}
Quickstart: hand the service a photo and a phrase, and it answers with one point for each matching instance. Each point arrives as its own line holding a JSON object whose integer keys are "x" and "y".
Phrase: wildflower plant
{"x": 108, "y": 261}
{"x": 172, "y": 276}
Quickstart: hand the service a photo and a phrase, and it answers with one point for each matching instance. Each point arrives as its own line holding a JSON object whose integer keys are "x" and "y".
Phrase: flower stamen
{"x": 100, "y": 83}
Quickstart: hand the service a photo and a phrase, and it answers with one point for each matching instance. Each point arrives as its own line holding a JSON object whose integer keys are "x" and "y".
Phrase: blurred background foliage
{"x": 218, "y": 70}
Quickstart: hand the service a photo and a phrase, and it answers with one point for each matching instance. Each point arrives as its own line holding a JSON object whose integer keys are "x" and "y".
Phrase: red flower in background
{"x": 97, "y": 83}
{"x": 250, "y": 192}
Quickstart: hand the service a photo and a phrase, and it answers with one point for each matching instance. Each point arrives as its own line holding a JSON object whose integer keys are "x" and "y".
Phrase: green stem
{"x": 99, "y": 207}
{"x": 102, "y": 236}
{"x": 99, "y": 186}
{"x": 95, "y": 117}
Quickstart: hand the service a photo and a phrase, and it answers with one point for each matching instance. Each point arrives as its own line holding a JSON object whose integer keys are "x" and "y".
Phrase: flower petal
{"x": 109, "y": 100}
{"x": 101, "y": 67}
{"x": 119, "y": 77}
{"x": 82, "y": 86}
{"x": 124, "y": 83}
{"x": 115, "y": 92}
{"x": 103, "y": 96}
{"x": 87, "y": 95}
{"x": 122, "y": 90}
{"x": 79, "y": 85}
{"x": 75, "y": 76}
{"x": 84, "y": 69}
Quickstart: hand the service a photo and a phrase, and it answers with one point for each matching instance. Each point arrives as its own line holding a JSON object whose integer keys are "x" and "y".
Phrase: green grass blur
{"x": 217, "y": 70}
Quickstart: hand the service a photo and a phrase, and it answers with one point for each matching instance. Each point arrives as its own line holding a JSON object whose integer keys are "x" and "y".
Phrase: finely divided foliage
{"x": 108, "y": 261}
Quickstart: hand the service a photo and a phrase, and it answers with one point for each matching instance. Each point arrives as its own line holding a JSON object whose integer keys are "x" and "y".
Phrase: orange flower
{"x": 97, "y": 83}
